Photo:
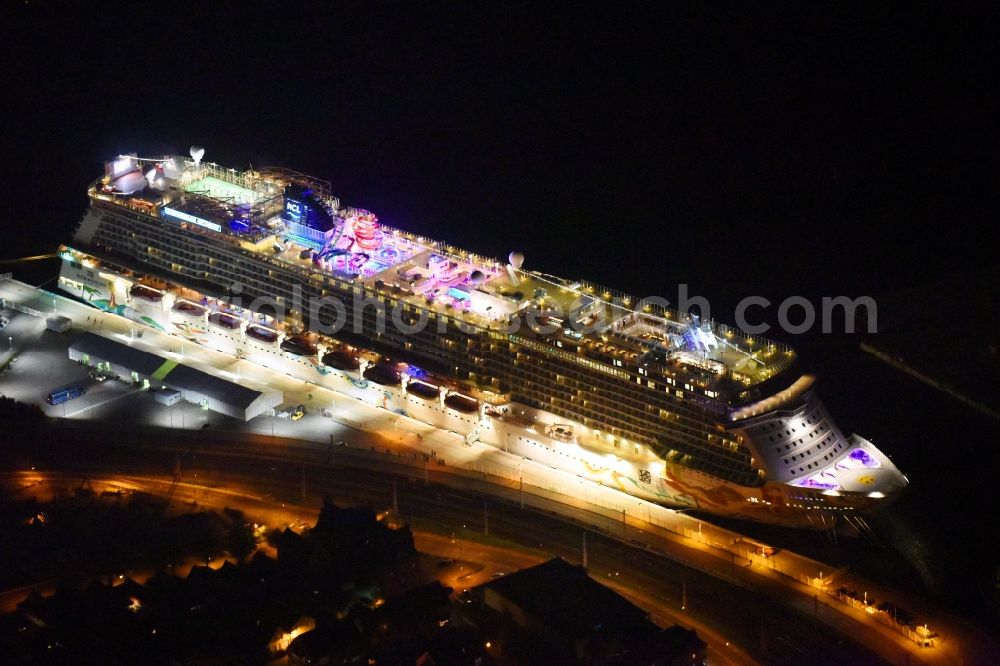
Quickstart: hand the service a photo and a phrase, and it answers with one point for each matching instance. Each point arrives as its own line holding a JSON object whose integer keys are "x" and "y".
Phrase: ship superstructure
{"x": 687, "y": 412}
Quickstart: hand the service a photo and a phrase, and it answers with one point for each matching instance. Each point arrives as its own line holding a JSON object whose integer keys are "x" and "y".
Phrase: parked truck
{"x": 59, "y": 396}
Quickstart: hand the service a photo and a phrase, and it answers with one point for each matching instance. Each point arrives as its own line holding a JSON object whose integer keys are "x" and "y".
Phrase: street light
{"x": 520, "y": 480}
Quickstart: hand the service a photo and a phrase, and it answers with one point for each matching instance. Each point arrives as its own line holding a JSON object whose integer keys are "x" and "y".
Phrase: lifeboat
{"x": 262, "y": 333}
{"x": 299, "y": 345}
{"x": 189, "y": 309}
{"x": 385, "y": 374}
{"x": 146, "y": 293}
{"x": 421, "y": 389}
{"x": 341, "y": 359}
{"x": 224, "y": 320}
{"x": 461, "y": 403}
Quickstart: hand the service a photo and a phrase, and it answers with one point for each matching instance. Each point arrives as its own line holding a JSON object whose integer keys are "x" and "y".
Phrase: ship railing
{"x": 413, "y": 300}
{"x": 320, "y": 186}
{"x": 248, "y": 179}
{"x": 420, "y": 303}
{"x": 625, "y": 305}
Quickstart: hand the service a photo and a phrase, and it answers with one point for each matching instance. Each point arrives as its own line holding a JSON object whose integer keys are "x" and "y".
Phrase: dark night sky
{"x": 835, "y": 151}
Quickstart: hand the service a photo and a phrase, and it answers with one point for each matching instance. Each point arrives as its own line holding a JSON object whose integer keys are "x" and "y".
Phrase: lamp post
{"x": 520, "y": 480}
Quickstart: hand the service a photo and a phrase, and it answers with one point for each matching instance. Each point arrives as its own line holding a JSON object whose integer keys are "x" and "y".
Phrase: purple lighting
{"x": 861, "y": 456}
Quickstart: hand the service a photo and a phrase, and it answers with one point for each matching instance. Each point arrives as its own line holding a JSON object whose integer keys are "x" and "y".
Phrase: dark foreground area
{"x": 770, "y": 633}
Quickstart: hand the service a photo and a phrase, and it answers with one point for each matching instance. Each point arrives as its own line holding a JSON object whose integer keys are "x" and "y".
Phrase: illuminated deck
{"x": 628, "y": 380}
{"x": 248, "y": 210}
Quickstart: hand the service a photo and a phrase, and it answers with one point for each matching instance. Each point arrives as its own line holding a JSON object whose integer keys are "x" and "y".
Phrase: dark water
{"x": 942, "y": 528}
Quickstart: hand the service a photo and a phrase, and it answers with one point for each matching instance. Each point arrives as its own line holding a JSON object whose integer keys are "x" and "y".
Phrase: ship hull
{"x": 515, "y": 428}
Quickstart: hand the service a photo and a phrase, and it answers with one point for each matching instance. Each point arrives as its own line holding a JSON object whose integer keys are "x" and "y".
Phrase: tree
{"x": 240, "y": 539}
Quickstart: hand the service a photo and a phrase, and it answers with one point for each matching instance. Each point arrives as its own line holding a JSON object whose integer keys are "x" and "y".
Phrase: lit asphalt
{"x": 42, "y": 363}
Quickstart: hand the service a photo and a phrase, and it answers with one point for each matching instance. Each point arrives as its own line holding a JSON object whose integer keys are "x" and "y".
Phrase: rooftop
{"x": 176, "y": 375}
{"x": 106, "y": 349}
{"x": 563, "y": 597}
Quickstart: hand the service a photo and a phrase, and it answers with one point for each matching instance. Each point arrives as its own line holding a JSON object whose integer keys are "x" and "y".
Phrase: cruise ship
{"x": 266, "y": 264}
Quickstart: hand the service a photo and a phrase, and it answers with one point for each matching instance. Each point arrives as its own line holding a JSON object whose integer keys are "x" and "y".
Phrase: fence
{"x": 916, "y": 633}
{"x": 719, "y": 539}
{"x": 603, "y": 508}
{"x": 25, "y": 309}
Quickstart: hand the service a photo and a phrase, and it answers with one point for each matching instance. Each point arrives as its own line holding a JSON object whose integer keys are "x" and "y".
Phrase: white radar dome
{"x": 516, "y": 259}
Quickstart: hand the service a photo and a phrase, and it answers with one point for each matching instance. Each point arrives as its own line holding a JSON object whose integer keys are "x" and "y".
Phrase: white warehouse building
{"x": 195, "y": 386}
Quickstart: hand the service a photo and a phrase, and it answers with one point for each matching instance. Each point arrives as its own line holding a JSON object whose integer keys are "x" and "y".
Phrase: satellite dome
{"x": 516, "y": 259}
{"x": 477, "y": 277}
{"x": 197, "y": 152}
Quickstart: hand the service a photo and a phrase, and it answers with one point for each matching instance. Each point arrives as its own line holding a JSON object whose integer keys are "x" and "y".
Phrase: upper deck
{"x": 271, "y": 213}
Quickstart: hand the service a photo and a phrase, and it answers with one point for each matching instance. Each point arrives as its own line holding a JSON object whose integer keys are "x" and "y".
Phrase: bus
{"x": 62, "y": 395}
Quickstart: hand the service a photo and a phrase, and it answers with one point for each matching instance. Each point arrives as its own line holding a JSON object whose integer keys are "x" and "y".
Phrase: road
{"x": 272, "y": 494}
{"x": 790, "y": 579}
